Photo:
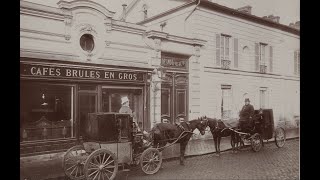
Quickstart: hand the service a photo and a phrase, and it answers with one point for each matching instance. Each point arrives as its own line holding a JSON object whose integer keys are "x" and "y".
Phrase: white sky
{"x": 288, "y": 10}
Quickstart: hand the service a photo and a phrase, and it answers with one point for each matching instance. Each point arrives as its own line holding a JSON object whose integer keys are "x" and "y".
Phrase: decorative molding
{"x": 127, "y": 29}
{"x": 161, "y": 35}
{"x": 38, "y": 10}
{"x": 157, "y": 45}
{"x": 77, "y": 4}
{"x": 197, "y": 51}
{"x": 41, "y": 32}
{"x": 156, "y": 34}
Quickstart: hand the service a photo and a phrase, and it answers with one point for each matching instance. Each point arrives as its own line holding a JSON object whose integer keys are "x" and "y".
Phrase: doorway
{"x": 174, "y": 97}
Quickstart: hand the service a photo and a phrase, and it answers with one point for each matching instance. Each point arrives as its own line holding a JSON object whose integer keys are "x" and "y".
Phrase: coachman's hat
{"x": 247, "y": 100}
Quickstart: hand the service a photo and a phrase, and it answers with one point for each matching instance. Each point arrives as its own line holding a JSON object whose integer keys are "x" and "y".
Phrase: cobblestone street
{"x": 270, "y": 163}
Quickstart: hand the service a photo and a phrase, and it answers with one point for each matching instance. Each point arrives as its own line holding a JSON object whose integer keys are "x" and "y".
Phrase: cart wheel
{"x": 150, "y": 161}
{"x": 280, "y": 137}
{"x": 101, "y": 164}
{"x": 256, "y": 142}
{"x": 73, "y": 162}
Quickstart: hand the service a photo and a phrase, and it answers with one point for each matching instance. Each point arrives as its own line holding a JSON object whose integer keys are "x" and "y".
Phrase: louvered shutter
{"x": 235, "y": 49}
{"x": 271, "y": 58}
{"x": 257, "y": 56}
{"x": 218, "y": 50}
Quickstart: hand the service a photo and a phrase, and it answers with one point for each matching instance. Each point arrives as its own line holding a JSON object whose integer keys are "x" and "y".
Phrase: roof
{"x": 228, "y": 11}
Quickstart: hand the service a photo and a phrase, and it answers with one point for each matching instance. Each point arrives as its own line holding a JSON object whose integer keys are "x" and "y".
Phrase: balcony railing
{"x": 263, "y": 69}
{"x": 225, "y": 64}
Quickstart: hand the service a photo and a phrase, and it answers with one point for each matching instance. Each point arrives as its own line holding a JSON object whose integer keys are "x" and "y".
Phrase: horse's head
{"x": 202, "y": 124}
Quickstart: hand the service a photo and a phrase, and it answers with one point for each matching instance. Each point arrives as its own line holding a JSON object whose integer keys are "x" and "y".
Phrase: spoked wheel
{"x": 280, "y": 137}
{"x": 101, "y": 165}
{"x": 256, "y": 142}
{"x": 73, "y": 162}
{"x": 150, "y": 161}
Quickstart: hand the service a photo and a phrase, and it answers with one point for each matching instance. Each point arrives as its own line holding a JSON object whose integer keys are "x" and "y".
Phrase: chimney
{"x": 124, "y": 9}
{"x": 272, "y": 18}
{"x": 295, "y": 25}
{"x": 245, "y": 9}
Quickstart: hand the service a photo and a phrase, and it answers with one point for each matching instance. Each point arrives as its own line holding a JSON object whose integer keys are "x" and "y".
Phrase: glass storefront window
{"x": 46, "y": 111}
{"x": 121, "y": 100}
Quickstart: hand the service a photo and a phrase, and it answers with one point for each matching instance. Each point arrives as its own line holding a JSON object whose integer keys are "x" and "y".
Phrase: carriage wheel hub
{"x": 101, "y": 167}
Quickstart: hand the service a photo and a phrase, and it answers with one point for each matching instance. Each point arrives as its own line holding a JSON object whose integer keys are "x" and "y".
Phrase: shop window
{"x": 46, "y": 111}
{"x": 121, "y": 100}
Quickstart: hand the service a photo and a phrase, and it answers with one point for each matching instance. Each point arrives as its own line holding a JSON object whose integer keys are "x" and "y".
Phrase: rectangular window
{"x": 46, "y": 111}
{"x": 124, "y": 100}
{"x": 224, "y": 47}
{"x": 261, "y": 59}
{"x": 262, "y": 55}
{"x": 226, "y": 101}
{"x": 263, "y": 96}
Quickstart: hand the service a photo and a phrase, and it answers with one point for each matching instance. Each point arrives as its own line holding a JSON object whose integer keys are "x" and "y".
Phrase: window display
{"x": 46, "y": 111}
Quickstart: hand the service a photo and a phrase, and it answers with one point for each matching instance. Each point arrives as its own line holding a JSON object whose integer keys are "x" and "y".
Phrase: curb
{"x": 229, "y": 149}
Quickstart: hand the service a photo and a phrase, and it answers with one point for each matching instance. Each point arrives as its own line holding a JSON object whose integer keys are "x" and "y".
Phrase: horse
{"x": 219, "y": 130}
{"x": 163, "y": 133}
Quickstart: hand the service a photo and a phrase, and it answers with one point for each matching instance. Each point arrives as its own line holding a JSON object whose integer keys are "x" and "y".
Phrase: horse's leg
{"x": 233, "y": 141}
{"x": 215, "y": 143}
{"x": 218, "y": 143}
{"x": 182, "y": 151}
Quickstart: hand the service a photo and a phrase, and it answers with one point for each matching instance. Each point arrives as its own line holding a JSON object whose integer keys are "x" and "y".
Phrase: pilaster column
{"x": 194, "y": 84}
{"x": 155, "y": 93}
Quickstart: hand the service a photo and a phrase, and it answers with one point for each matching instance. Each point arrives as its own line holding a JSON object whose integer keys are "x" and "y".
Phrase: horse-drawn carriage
{"x": 262, "y": 128}
{"x": 110, "y": 142}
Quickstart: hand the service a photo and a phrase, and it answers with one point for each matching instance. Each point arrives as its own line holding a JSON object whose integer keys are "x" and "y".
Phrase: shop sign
{"x": 55, "y": 71}
{"x": 174, "y": 61}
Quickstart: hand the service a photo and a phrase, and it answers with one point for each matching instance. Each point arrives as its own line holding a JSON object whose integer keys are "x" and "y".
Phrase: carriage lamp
{"x": 24, "y": 135}
{"x": 45, "y": 133}
{"x": 64, "y": 131}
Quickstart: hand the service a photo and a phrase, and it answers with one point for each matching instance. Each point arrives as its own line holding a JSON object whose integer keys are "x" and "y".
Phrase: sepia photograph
{"x": 159, "y": 89}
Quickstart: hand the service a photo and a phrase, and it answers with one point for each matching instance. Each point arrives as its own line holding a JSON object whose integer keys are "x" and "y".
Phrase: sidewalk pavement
{"x": 50, "y": 165}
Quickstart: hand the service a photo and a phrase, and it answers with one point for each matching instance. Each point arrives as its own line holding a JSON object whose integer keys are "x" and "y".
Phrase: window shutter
{"x": 271, "y": 59}
{"x": 235, "y": 49}
{"x": 257, "y": 56}
{"x": 295, "y": 62}
{"x": 218, "y": 50}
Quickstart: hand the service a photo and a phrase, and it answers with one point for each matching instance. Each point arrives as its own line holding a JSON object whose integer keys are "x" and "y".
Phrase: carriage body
{"x": 263, "y": 129}
{"x": 265, "y": 126}
{"x": 109, "y": 140}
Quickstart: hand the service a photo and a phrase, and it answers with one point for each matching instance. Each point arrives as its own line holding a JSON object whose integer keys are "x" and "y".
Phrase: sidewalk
{"x": 50, "y": 165}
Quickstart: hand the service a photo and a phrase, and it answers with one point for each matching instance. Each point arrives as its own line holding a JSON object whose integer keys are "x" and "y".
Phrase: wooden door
{"x": 174, "y": 98}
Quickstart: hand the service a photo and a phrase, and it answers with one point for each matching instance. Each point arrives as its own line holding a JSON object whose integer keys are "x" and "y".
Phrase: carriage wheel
{"x": 73, "y": 162}
{"x": 150, "y": 161}
{"x": 280, "y": 137}
{"x": 256, "y": 142}
{"x": 101, "y": 165}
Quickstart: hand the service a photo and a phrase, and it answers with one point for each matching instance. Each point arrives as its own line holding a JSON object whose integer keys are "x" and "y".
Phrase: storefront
{"x": 55, "y": 97}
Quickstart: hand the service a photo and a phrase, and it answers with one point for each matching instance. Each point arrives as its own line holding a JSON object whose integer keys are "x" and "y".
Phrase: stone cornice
{"x": 43, "y": 11}
{"x": 85, "y": 4}
{"x": 127, "y": 27}
{"x": 162, "y": 35}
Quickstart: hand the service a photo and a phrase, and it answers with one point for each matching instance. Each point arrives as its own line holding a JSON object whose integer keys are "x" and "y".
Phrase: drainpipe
{"x": 190, "y": 14}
